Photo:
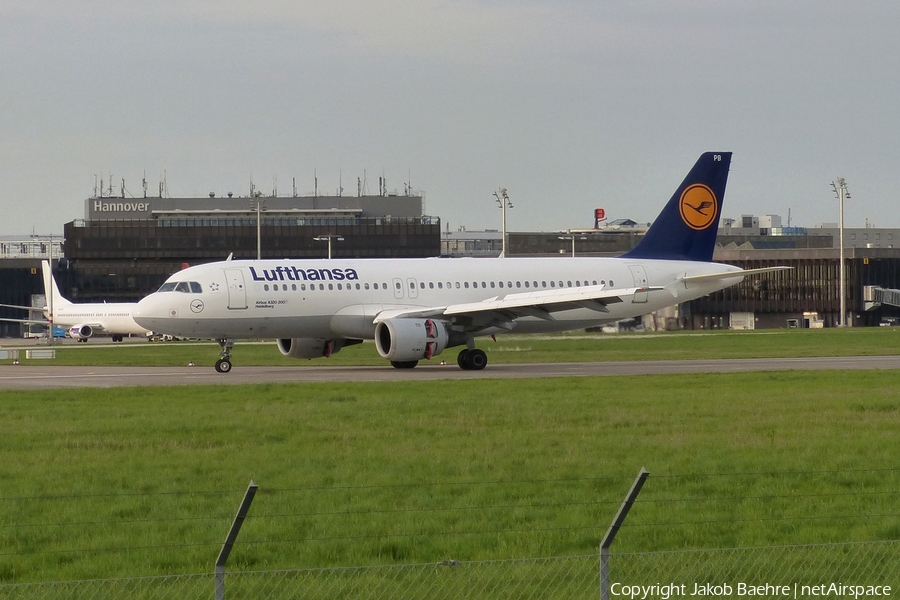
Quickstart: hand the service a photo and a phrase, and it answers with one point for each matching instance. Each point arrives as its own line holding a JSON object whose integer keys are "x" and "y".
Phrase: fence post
{"x": 230, "y": 539}
{"x": 614, "y": 528}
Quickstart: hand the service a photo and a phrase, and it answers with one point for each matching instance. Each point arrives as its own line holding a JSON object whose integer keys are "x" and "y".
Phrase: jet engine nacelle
{"x": 402, "y": 340}
{"x": 81, "y": 332}
{"x": 310, "y": 347}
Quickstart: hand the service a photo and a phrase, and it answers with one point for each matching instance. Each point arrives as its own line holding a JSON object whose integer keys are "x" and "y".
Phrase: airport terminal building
{"x": 125, "y": 248}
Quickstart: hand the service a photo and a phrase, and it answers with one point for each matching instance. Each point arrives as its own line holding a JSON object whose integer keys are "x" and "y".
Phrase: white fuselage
{"x": 340, "y": 298}
{"x": 111, "y": 318}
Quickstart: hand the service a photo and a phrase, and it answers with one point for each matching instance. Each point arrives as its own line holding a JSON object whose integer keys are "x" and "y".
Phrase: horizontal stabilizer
{"x": 730, "y": 274}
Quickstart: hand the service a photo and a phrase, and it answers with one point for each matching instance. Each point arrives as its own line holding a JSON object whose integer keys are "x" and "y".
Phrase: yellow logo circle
{"x": 698, "y": 207}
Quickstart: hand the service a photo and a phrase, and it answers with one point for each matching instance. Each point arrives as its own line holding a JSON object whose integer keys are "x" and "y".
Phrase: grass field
{"x": 141, "y": 481}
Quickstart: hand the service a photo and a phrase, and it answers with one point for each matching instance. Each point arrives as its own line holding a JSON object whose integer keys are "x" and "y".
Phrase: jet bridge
{"x": 874, "y": 296}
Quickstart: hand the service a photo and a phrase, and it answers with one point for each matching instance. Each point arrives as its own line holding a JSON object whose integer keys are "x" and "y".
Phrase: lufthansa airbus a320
{"x": 415, "y": 309}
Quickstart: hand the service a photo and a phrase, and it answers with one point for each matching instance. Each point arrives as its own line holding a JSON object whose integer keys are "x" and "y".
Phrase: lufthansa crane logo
{"x": 698, "y": 207}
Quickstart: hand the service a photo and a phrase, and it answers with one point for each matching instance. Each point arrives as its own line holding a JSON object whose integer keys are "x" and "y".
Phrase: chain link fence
{"x": 863, "y": 569}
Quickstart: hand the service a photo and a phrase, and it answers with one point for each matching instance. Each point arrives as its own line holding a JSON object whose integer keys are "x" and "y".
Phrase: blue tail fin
{"x": 686, "y": 228}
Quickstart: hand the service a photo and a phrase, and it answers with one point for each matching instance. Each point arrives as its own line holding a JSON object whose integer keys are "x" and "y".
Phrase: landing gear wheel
{"x": 476, "y": 360}
{"x": 223, "y": 365}
{"x": 471, "y": 360}
{"x": 404, "y": 364}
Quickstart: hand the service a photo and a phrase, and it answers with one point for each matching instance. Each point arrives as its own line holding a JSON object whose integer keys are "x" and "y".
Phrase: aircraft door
{"x": 237, "y": 291}
{"x": 398, "y": 289}
{"x": 411, "y": 285}
{"x": 640, "y": 281}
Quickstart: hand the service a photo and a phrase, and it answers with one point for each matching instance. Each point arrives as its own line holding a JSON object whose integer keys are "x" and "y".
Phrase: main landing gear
{"x": 471, "y": 359}
{"x": 223, "y": 365}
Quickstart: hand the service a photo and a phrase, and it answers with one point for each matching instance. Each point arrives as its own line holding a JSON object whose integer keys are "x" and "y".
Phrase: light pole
{"x": 572, "y": 237}
{"x": 329, "y": 237}
{"x": 504, "y": 202}
{"x": 840, "y": 190}
{"x": 258, "y": 201}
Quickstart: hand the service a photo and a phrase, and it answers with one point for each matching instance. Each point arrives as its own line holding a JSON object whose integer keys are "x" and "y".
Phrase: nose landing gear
{"x": 223, "y": 365}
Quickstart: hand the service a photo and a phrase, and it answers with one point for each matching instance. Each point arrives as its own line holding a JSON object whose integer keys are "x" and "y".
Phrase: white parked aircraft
{"x": 414, "y": 309}
{"x": 82, "y": 321}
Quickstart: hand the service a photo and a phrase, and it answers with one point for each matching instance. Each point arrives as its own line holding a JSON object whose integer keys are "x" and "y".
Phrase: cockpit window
{"x": 187, "y": 287}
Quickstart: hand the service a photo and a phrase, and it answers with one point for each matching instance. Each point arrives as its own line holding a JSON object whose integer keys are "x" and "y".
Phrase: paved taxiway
{"x": 50, "y": 377}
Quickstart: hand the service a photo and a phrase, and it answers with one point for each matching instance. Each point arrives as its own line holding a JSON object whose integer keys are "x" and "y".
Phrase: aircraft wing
{"x": 500, "y": 311}
{"x": 20, "y": 307}
{"x": 26, "y": 321}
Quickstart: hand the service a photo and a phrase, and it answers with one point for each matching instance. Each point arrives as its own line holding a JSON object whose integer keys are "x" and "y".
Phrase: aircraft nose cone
{"x": 148, "y": 311}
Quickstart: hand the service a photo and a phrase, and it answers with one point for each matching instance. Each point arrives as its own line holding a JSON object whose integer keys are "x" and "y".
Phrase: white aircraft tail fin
{"x": 50, "y": 289}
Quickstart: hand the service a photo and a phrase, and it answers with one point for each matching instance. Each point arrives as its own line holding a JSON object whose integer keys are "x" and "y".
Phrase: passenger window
{"x": 366, "y": 286}
{"x": 322, "y": 287}
{"x": 484, "y": 285}
{"x": 302, "y": 287}
{"x": 266, "y": 287}
{"x": 339, "y": 286}
{"x": 466, "y": 284}
{"x": 430, "y": 285}
{"x": 568, "y": 284}
{"x": 500, "y": 283}
{"x": 552, "y": 284}
{"x": 330, "y": 286}
{"x": 357, "y": 286}
{"x": 526, "y": 284}
{"x": 422, "y": 286}
{"x": 611, "y": 284}
{"x": 440, "y": 285}
{"x": 293, "y": 287}
{"x": 543, "y": 284}
{"x": 492, "y": 284}
{"x": 518, "y": 284}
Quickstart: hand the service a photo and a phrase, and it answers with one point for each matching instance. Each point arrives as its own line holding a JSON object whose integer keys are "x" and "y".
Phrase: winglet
{"x": 687, "y": 226}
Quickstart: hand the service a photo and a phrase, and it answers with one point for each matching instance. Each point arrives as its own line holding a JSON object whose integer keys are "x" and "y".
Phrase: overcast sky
{"x": 569, "y": 104}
